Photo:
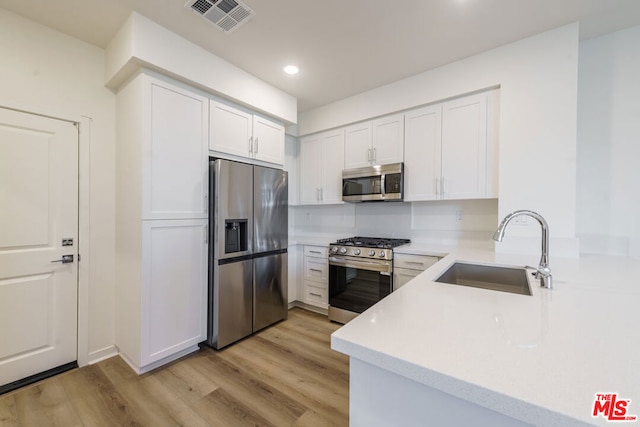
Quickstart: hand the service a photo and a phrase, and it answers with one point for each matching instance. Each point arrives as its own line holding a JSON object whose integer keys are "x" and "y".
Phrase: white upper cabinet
{"x": 376, "y": 142}
{"x": 450, "y": 149}
{"x": 268, "y": 141}
{"x": 230, "y": 129}
{"x": 175, "y": 167}
{"x": 423, "y": 134}
{"x": 311, "y": 153}
{"x": 321, "y": 165}
{"x": 464, "y": 148}
{"x": 358, "y": 152}
{"x": 333, "y": 161}
{"x": 240, "y": 135}
{"x": 291, "y": 161}
{"x": 388, "y": 140}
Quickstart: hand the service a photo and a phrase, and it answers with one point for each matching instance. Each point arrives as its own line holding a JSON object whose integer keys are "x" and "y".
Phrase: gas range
{"x": 366, "y": 247}
{"x": 360, "y": 274}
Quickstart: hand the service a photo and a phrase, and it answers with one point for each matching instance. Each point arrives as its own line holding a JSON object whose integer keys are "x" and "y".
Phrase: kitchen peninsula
{"x": 439, "y": 354}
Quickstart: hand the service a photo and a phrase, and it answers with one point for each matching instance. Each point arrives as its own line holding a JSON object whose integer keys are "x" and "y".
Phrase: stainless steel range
{"x": 360, "y": 274}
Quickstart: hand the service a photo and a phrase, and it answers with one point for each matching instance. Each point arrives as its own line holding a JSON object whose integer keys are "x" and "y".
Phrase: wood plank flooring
{"x": 285, "y": 375}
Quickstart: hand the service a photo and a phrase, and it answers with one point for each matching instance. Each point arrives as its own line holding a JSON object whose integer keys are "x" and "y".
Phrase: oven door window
{"x": 361, "y": 186}
{"x": 355, "y": 289}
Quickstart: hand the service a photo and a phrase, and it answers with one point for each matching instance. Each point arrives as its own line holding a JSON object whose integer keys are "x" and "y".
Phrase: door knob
{"x": 65, "y": 259}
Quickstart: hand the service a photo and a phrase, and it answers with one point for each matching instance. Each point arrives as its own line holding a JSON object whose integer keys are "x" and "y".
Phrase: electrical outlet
{"x": 458, "y": 216}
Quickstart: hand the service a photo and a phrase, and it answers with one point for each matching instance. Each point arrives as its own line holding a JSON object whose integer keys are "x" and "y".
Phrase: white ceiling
{"x": 342, "y": 47}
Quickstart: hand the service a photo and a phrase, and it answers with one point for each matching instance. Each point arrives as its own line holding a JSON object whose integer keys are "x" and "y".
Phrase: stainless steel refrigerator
{"x": 248, "y": 227}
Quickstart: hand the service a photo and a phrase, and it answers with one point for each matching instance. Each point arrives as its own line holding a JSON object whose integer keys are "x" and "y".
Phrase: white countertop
{"x": 313, "y": 241}
{"x": 540, "y": 359}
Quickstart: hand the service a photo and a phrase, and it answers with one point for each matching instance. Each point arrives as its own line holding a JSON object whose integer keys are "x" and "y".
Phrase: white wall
{"x": 450, "y": 223}
{"x": 538, "y": 81}
{"x": 142, "y": 42}
{"x": 49, "y": 73}
{"x": 608, "y": 192}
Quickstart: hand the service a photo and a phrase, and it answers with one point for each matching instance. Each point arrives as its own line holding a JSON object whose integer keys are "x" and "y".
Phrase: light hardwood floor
{"x": 285, "y": 375}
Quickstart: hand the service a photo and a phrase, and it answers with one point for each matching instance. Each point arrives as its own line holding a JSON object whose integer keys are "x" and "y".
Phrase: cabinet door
{"x": 230, "y": 130}
{"x": 333, "y": 165}
{"x": 401, "y": 276}
{"x": 422, "y": 153}
{"x": 268, "y": 141}
{"x": 174, "y": 287}
{"x": 316, "y": 276}
{"x": 315, "y": 295}
{"x": 291, "y": 160}
{"x": 464, "y": 147}
{"x": 310, "y": 169}
{"x": 388, "y": 140}
{"x": 294, "y": 265}
{"x": 175, "y": 154}
{"x": 316, "y": 270}
{"x": 357, "y": 151}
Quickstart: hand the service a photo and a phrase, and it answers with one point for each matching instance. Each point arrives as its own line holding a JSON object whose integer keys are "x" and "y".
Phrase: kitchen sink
{"x": 493, "y": 277}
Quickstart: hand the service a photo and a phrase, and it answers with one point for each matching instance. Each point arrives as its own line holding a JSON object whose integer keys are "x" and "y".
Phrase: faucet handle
{"x": 542, "y": 273}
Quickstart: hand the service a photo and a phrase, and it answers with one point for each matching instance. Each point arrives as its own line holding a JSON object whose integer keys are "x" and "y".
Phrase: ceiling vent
{"x": 227, "y": 15}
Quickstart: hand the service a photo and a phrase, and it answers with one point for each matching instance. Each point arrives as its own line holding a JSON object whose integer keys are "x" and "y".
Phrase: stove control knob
{"x": 356, "y": 252}
{"x": 334, "y": 250}
{"x": 372, "y": 252}
{"x": 343, "y": 250}
{"x": 382, "y": 254}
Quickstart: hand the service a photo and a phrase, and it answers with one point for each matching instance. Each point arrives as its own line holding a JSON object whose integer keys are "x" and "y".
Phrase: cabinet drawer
{"x": 316, "y": 251}
{"x": 414, "y": 262}
{"x": 316, "y": 269}
{"x": 315, "y": 295}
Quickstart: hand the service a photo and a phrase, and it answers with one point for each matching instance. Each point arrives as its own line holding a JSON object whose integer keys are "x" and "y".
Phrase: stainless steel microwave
{"x": 373, "y": 183}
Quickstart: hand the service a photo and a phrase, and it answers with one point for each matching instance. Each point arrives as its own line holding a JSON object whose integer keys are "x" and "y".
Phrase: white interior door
{"x": 38, "y": 212}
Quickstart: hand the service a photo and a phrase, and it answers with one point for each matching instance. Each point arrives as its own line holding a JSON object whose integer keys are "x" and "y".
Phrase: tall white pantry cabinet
{"x": 161, "y": 221}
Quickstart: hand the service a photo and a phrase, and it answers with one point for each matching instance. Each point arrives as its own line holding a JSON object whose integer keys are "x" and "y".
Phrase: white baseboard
{"x": 102, "y": 354}
{"x": 151, "y": 366}
{"x": 308, "y": 307}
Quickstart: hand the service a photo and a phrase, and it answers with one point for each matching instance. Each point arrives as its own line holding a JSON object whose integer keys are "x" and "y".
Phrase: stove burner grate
{"x": 373, "y": 242}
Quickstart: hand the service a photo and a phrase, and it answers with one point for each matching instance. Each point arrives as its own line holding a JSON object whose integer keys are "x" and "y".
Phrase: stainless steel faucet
{"x": 542, "y": 272}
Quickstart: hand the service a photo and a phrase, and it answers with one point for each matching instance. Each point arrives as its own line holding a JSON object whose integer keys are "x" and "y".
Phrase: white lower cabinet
{"x": 402, "y": 276}
{"x": 167, "y": 316}
{"x": 294, "y": 279}
{"x": 408, "y": 266}
{"x": 316, "y": 276}
{"x": 174, "y": 282}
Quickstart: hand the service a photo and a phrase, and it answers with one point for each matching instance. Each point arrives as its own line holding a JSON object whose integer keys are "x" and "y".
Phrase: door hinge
{"x": 79, "y": 258}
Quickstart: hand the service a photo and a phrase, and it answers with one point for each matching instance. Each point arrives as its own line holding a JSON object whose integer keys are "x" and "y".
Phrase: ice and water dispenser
{"x": 235, "y": 235}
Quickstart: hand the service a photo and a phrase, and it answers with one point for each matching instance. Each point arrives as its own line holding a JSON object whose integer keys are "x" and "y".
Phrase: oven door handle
{"x": 363, "y": 265}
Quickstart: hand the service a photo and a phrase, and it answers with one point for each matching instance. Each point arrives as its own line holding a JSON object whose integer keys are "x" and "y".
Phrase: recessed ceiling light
{"x": 291, "y": 69}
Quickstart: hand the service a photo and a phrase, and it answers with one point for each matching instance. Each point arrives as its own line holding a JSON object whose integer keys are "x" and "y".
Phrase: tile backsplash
{"x": 445, "y": 222}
